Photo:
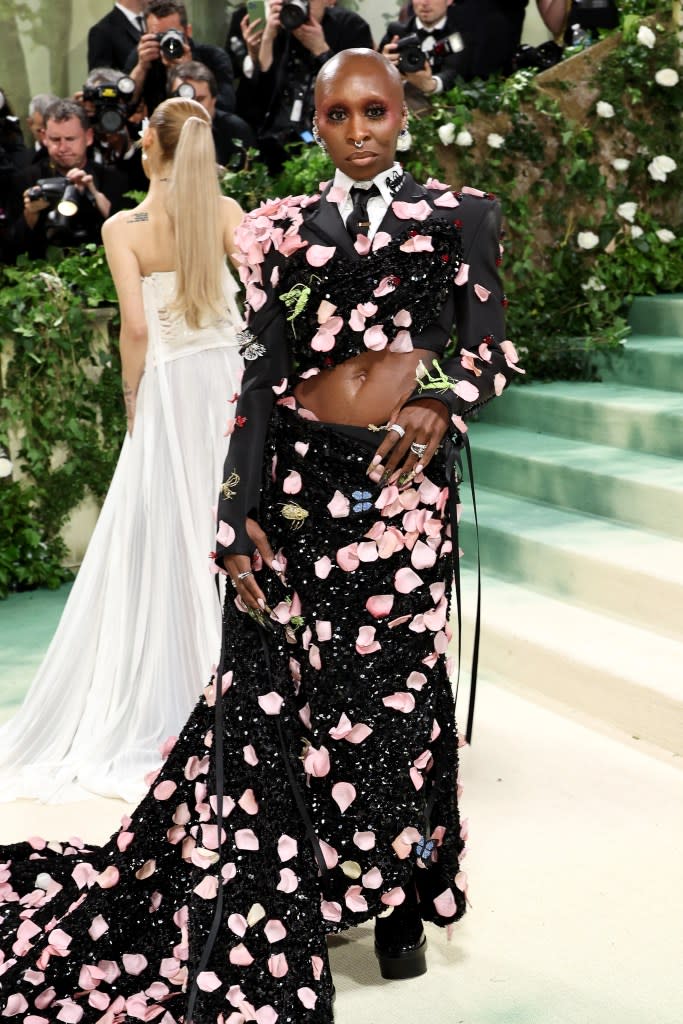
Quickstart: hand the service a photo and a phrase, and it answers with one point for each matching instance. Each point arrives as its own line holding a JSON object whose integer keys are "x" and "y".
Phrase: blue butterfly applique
{"x": 363, "y": 501}
{"x": 425, "y": 849}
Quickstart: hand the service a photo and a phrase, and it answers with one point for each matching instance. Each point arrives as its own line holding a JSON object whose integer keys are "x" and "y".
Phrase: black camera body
{"x": 113, "y": 104}
{"x": 171, "y": 43}
{"x": 294, "y": 13}
{"x": 50, "y": 189}
{"x": 411, "y": 56}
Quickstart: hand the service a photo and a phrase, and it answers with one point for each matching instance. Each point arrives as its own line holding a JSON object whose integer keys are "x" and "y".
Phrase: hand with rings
{"x": 409, "y": 445}
{"x": 241, "y": 574}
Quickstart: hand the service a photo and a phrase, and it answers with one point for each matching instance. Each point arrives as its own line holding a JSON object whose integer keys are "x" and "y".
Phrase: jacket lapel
{"x": 326, "y": 224}
{"x": 409, "y": 192}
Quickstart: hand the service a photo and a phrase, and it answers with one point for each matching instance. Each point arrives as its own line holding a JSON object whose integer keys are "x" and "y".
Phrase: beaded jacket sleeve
{"x": 316, "y": 298}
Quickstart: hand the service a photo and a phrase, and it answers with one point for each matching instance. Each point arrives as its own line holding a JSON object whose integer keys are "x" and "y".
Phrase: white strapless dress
{"x": 141, "y": 628}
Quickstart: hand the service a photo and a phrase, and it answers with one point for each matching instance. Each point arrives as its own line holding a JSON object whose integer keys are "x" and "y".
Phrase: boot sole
{"x": 409, "y": 964}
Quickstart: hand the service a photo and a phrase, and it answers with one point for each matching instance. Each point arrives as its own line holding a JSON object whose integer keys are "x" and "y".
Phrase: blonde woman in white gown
{"x": 141, "y": 627}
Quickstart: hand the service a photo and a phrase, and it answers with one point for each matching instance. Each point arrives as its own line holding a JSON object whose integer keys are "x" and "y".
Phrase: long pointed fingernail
{"x": 261, "y": 603}
{"x": 375, "y": 475}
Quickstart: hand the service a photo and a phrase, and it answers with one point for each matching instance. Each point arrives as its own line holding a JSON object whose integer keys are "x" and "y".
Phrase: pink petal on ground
{"x": 323, "y": 567}
{"x": 372, "y": 879}
{"x": 208, "y": 981}
{"x": 248, "y": 802}
{"x": 347, "y": 558}
{"x": 288, "y": 881}
{"x": 316, "y": 762}
{"x": 240, "y": 956}
{"x": 330, "y": 855}
{"x": 416, "y": 680}
{"x": 422, "y": 556}
{"x": 237, "y": 924}
{"x": 411, "y": 211}
{"x": 107, "y": 879}
{"x": 406, "y": 581}
{"x": 277, "y": 965}
{"x": 343, "y": 793}
{"x": 367, "y": 551}
{"x": 386, "y": 286}
{"x": 323, "y": 340}
{"x": 463, "y": 275}
{"x": 355, "y": 900}
{"x": 165, "y": 789}
{"x": 318, "y": 255}
{"x": 339, "y": 505}
{"x": 275, "y": 931}
{"x": 375, "y": 339}
{"x": 287, "y": 847}
{"x": 364, "y": 840}
{"x": 362, "y": 245}
{"x": 481, "y": 292}
{"x": 468, "y": 392}
{"x": 447, "y": 200}
{"x": 393, "y": 898}
{"x": 307, "y": 997}
{"x": 134, "y": 963}
{"x": 381, "y": 239}
{"x": 246, "y": 839}
{"x": 403, "y": 342}
{"x": 444, "y": 904}
{"x": 400, "y": 701}
{"x": 323, "y": 630}
{"x": 271, "y": 703}
{"x": 292, "y": 482}
{"x": 330, "y": 911}
{"x": 380, "y": 605}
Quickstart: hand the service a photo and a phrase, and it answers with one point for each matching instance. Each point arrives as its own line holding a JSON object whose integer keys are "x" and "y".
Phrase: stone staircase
{"x": 580, "y": 498}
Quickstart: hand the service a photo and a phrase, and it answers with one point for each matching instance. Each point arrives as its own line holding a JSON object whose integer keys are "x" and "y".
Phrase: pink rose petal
{"x": 400, "y": 701}
{"x": 355, "y": 900}
{"x": 375, "y": 339}
{"x": 250, "y": 755}
{"x": 307, "y": 997}
{"x": 463, "y": 275}
{"x": 248, "y": 802}
{"x": 465, "y": 390}
{"x": 288, "y": 881}
{"x": 393, "y": 898}
{"x": 240, "y": 956}
{"x": 403, "y": 342}
{"x": 237, "y": 924}
{"x": 323, "y": 567}
{"x": 271, "y": 703}
{"x": 417, "y": 243}
{"x": 339, "y": 505}
{"x": 246, "y": 839}
{"x": 372, "y": 879}
{"x": 364, "y": 840}
{"x": 444, "y": 904}
{"x": 481, "y": 292}
{"x": 318, "y": 255}
{"x": 287, "y": 847}
{"x": 134, "y": 963}
{"x": 277, "y": 965}
{"x": 381, "y": 239}
{"x": 292, "y": 482}
{"x": 107, "y": 879}
{"x": 422, "y": 557}
{"x": 412, "y": 211}
{"x": 358, "y": 733}
{"x": 380, "y": 605}
{"x": 406, "y": 581}
{"x": 275, "y": 931}
{"x": 347, "y": 558}
{"x": 330, "y": 911}
{"x": 323, "y": 630}
{"x": 208, "y": 981}
{"x": 330, "y": 855}
{"x": 447, "y": 200}
{"x": 343, "y": 793}
{"x": 362, "y": 245}
{"x": 385, "y": 287}
{"x": 316, "y": 762}
{"x": 323, "y": 340}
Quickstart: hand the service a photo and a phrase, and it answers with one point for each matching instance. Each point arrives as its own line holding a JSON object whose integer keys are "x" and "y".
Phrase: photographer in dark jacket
{"x": 149, "y": 64}
{"x": 298, "y": 38}
{"x": 231, "y": 135}
{"x": 112, "y": 39}
{"x": 97, "y": 191}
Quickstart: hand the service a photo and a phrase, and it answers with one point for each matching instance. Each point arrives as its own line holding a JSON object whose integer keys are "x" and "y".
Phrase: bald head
{"x": 366, "y": 62}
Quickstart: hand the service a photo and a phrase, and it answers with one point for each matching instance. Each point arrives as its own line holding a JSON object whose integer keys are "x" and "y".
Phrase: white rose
{"x": 405, "y": 141}
{"x": 603, "y": 109}
{"x": 627, "y": 211}
{"x": 463, "y": 138}
{"x": 660, "y": 167}
{"x": 636, "y": 232}
{"x": 495, "y": 140}
{"x": 664, "y": 235}
{"x": 587, "y": 239}
{"x": 667, "y": 77}
{"x": 621, "y": 164}
{"x": 593, "y": 284}
{"x": 5, "y": 463}
{"x": 646, "y": 37}
{"x": 447, "y": 133}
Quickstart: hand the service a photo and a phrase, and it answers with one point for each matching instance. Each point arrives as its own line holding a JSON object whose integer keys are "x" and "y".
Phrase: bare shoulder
{"x": 231, "y": 211}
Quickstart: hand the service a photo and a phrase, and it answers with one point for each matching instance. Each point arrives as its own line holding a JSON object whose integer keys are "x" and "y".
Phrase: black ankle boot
{"x": 400, "y": 942}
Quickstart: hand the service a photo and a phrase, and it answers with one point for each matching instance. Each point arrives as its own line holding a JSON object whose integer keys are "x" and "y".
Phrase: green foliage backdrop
{"x": 588, "y": 172}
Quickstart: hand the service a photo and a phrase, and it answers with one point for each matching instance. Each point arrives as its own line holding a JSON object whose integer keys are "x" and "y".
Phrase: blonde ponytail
{"x": 184, "y": 132}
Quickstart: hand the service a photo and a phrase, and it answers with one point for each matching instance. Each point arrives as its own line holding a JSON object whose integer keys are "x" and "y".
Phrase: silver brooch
{"x": 250, "y": 346}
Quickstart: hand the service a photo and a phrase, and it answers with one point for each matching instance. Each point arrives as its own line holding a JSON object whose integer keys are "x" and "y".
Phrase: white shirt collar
{"x": 343, "y": 181}
{"x": 132, "y": 18}
{"x": 431, "y": 28}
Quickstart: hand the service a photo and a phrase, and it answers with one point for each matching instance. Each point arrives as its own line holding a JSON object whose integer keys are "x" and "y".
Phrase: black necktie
{"x": 357, "y": 222}
{"x": 141, "y": 24}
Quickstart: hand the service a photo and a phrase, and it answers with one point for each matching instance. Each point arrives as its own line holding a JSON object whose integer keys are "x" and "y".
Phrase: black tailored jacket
{"x": 111, "y": 41}
{"x": 476, "y": 321}
{"x": 154, "y": 89}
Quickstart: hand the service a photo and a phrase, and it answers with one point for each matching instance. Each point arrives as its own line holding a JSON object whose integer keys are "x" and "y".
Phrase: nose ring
{"x": 359, "y": 144}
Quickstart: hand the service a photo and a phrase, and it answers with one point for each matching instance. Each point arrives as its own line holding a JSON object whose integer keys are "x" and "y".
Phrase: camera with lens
{"x": 112, "y": 102}
{"x": 171, "y": 43}
{"x": 294, "y": 13}
{"x": 411, "y": 56}
{"x": 537, "y": 58}
{"x": 60, "y": 193}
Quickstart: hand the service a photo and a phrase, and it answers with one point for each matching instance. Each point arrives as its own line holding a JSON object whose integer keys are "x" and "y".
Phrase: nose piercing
{"x": 359, "y": 144}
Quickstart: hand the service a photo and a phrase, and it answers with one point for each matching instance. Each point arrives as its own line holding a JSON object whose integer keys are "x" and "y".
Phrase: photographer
{"x": 231, "y": 135}
{"x": 111, "y": 40}
{"x": 168, "y": 44}
{"x": 298, "y": 38}
{"x": 461, "y": 39}
{"x": 93, "y": 191}
{"x": 115, "y": 118}
{"x": 35, "y": 121}
{"x": 13, "y": 156}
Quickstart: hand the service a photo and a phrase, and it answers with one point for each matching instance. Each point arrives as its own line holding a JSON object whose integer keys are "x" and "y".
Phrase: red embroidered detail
{"x": 240, "y": 421}
{"x": 488, "y": 339}
{"x": 234, "y": 398}
{"x": 445, "y": 258}
{"x": 504, "y": 303}
{"x": 457, "y": 224}
{"x": 499, "y": 261}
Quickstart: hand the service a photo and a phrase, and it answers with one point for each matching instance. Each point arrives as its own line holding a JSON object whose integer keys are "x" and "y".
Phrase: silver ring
{"x": 243, "y": 575}
{"x": 418, "y": 449}
{"x": 233, "y": 583}
{"x": 360, "y": 144}
{"x": 397, "y": 428}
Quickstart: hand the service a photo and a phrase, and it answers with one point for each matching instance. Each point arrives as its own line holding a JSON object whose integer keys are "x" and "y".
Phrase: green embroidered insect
{"x": 295, "y": 513}
{"x": 438, "y": 381}
{"x": 296, "y": 299}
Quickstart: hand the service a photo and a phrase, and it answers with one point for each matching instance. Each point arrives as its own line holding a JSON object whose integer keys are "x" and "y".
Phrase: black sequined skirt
{"x": 337, "y": 761}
